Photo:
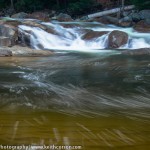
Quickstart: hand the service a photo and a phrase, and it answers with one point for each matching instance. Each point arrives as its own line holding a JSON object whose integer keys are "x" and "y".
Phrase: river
{"x": 98, "y": 100}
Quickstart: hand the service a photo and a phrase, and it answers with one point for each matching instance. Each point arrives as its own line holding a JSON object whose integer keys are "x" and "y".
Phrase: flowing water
{"x": 80, "y": 96}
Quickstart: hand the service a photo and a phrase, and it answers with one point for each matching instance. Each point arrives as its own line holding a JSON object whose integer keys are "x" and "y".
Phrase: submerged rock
{"x": 117, "y": 39}
{"x": 93, "y": 34}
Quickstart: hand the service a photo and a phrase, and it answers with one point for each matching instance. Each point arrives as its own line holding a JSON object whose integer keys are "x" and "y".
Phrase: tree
{"x": 12, "y": 4}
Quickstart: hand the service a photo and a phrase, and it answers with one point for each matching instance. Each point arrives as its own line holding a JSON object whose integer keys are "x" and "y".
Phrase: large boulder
{"x": 64, "y": 17}
{"x": 20, "y": 15}
{"x": 40, "y": 16}
{"x": 93, "y": 34}
{"x": 117, "y": 39}
{"x": 142, "y": 26}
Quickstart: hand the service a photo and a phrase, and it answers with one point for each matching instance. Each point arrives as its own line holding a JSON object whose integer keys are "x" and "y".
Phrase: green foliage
{"x": 3, "y": 3}
{"x": 29, "y": 5}
{"x": 145, "y": 4}
{"x": 80, "y": 6}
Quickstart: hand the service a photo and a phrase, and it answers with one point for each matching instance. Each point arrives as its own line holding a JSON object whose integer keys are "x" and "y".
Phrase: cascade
{"x": 71, "y": 38}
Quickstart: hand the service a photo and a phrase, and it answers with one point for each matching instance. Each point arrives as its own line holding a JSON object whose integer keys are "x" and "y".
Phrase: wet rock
{"x": 5, "y": 41}
{"x": 135, "y": 17}
{"x": 64, "y": 17}
{"x": 5, "y": 52}
{"x": 93, "y": 34}
{"x": 40, "y": 16}
{"x": 20, "y": 15}
{"x": 11, "y": 23}
{"x": 51, "y": 31}
{"x": 106, "y": 20}
{"x": 142, "y": 26}
{"x": 144, "y": 14}
{"x": 70, "y": 25}
{"x": 141, "y": 51}
{"x": 9, "y": 31}
{"x": 23, "y": 51}
{"x": 32, "y": 23}
{"x": 125, "y": 22}
{"x": 24, "y": 37}
{"x": 117, "y": 39}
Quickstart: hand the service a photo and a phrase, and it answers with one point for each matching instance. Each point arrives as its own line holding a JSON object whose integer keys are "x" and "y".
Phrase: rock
{"x": 23, "y": 51}
{"x": 93, "y": 34}
{"x": 10, "y": 32}
{"x": 144, "y": 14}
{"x": 147, "y": 21}
{"x": 64, "y": 17}
{"x": 11, "y": 23}
{"x": 106, "y": 20}
{"x": 125, "y": 22}
{"x": 40, "y": 16}
{"x": 142, "y": 26}
{"x": 32, "y": 23}
{"x": 117, "y": 39}
{"x": 5, "y": 52}
{"x": 24, "y": 37}
{"x": 5, "y": 41}
{"x": 135, "y": 17}
{"x": 141, "y": 51}
{"x": 70, "y": 25}
{"x": 20, "y": 15}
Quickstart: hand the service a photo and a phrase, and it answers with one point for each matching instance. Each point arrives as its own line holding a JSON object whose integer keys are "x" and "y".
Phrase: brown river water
{"x": 95, "y": 101}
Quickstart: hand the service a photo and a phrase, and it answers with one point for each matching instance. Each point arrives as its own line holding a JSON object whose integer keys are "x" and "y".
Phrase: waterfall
{"x": 71, "y": 38}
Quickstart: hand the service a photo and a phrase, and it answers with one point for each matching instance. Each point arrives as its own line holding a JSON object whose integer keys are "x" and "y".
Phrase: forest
{"x": 73, "y": 7}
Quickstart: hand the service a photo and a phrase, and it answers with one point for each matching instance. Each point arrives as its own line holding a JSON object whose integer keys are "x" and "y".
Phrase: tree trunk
{"x": 12, "y": 4}
{"x": 112, "y": 11}
{"x": 58, "y": 4}
{"x": 122, "y": 5}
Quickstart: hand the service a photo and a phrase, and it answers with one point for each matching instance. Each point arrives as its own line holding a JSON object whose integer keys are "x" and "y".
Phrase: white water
{"x": 71, "y": 38}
